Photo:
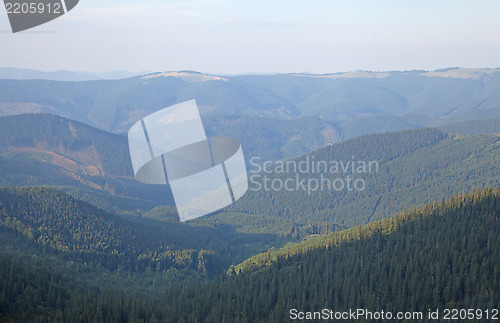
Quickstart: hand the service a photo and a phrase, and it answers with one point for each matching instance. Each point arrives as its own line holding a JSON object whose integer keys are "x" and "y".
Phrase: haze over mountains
{"x": 351, "y": 104}
{"x": 62, "y": 75}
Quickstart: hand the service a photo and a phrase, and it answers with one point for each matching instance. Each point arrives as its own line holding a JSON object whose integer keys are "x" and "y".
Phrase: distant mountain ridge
{"x": 61, "y": 75}
{"x": 356, "y": 103}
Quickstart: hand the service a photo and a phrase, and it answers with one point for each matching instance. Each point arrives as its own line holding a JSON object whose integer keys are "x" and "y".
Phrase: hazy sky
{"x": 318, "y": 36}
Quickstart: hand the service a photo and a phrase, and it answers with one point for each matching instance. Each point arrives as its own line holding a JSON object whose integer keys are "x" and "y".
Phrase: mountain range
{"x": 366, "y": 190}
{"x": 62, "y": 75}
{"x": 352, "y": 103}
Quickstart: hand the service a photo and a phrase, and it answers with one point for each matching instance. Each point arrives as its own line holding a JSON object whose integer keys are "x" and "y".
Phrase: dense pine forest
{"x": 414, "y": 167}
{"x": 55, "y": 223}
{"x": 442, "y": 256}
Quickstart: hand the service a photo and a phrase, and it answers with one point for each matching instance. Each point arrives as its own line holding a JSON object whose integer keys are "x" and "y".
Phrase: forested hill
{"x": 79, "y": 147}
{"x": 473, "y": 127}
{"x": 107, "y": 153}
{"x": 51, "y": 221}
{"x": 77, "y": 230}
{"x": 94, "y": 165}
{"x": 442, "y": 256}
{"x": 414, "y": 167}
{"x": 432, "y": 212}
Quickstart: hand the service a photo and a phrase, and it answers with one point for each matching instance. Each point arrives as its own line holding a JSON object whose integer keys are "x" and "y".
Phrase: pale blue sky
{"x": 219, "y": 36}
